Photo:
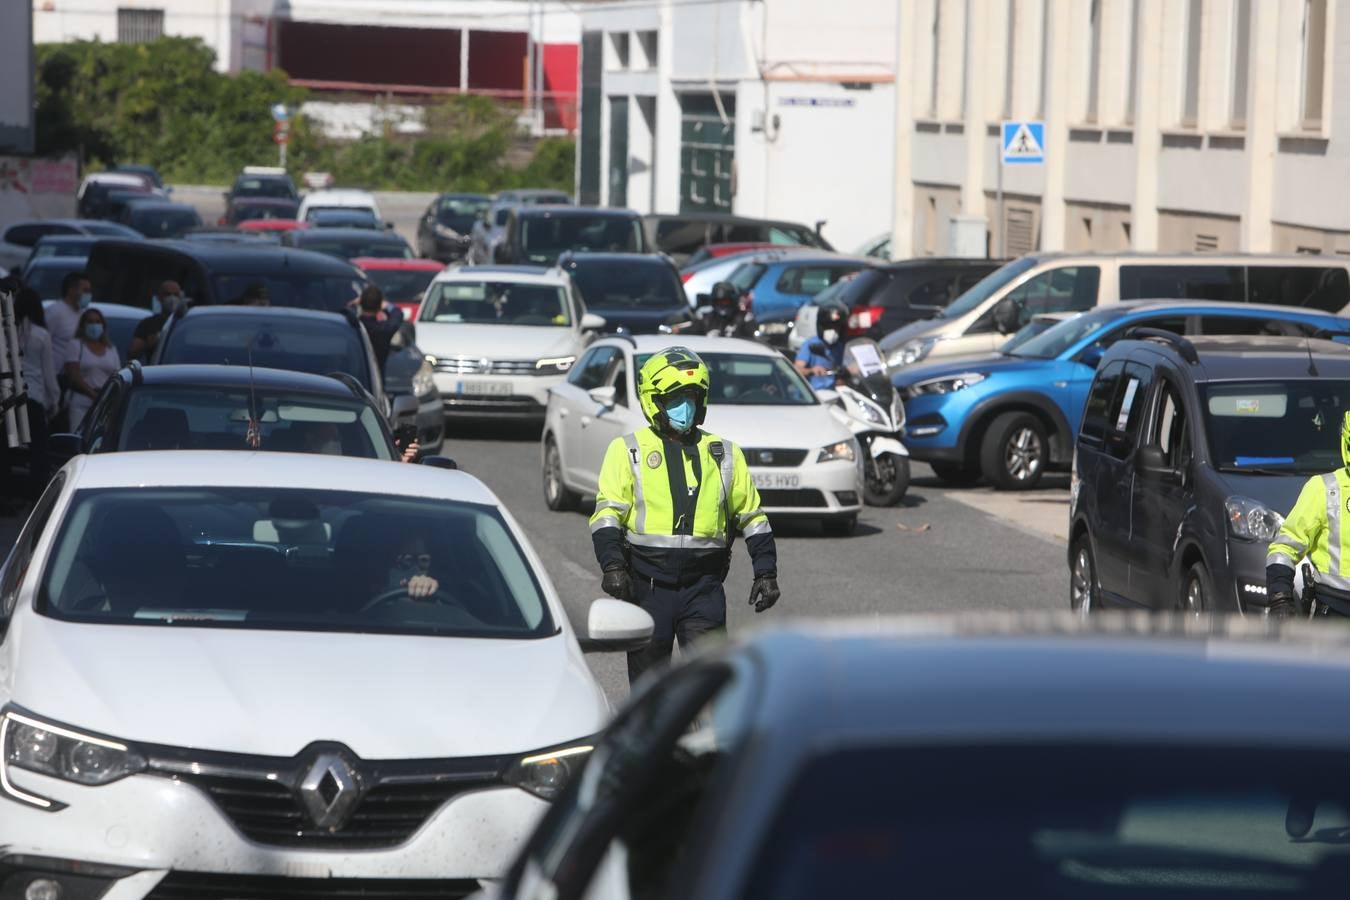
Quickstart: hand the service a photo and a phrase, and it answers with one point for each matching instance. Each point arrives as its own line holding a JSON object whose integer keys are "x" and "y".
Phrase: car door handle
{"x": 562, "y": 412}
{"x": 585, "y": 420}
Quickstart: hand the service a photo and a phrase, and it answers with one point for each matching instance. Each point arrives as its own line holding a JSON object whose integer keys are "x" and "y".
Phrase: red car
{"x": 270, "y": 228}
{"x": 402, "y": 280}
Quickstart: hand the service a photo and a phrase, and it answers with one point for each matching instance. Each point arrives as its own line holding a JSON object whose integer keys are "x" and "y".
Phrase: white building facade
{"x": 773, "y": 109}
{"x": 1168, "y": 125}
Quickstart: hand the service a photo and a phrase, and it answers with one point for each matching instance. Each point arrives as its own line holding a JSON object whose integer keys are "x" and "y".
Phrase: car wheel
{"x": 1196, "y": 590}
{"x": 558, "y": 496}
{"x": 885, "y": 479}
{"x": 1083, "y": 596}
{"x": 1015, "y": 452}
{"x": 840, "y": 527}
{"x": 955, "y": 474}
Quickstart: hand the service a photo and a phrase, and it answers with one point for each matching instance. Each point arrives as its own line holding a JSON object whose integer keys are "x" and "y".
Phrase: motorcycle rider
{"x": 726, "y": 314}
{"x": 1318, "y": 527}
{"x": 671, "y": 500}
{"x": 821, "y": 356}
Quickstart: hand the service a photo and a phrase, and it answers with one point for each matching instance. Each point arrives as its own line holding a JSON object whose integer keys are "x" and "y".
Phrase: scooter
{"x": 873, "y": 412}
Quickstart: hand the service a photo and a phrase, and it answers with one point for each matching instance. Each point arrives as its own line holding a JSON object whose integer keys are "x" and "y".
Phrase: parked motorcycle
{"x": 875, "y": 414}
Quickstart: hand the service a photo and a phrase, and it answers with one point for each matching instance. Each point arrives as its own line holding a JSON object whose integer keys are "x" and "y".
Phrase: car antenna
{"x": 1312, "y": 363}
{"x": 253, "y": 436}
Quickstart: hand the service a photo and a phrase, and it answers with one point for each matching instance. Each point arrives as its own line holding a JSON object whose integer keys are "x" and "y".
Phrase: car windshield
{"x": 609, "y": 285}
{"x": 350, "y": 247}
{"x": 746, "y": 275}
{"x": 544, "y": 238}
{"x": 263, "y": 187}
{"x": 343, "y": 218}
{"x": 163, "y": 223}
{"x": 302, "y": 290}
{"x": 460, "y": 210}
{"x": 1282, "y": 427}
{"x": 400, "y": 286}
{"x": 105, "y": 229}
{"x": 502, "y": 215}
{"x": 744, "y": 379}
{"x": 317, "y": 213}
{"x": 1084, "y": 822}
{"x": 281, "y": 342}
{"x": 46, "y": 280}
{"x": 986, "y": 287}
{"x": 63, "y": 248}
{"x": 496, "y": 303}
{"x": 217, "y": 418}
{"x": 1049, "y": 337}
{"x": 272, "y": 559}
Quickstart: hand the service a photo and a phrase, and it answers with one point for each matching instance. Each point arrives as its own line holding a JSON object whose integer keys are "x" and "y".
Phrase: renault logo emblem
{"x": 330, "y": 791}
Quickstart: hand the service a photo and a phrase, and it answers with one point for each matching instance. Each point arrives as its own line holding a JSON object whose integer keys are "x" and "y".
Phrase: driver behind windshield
{"x": 409, "y": 567}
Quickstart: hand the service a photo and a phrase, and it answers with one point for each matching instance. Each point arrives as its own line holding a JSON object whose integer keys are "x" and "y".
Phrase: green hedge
{"x": 164, "y": 104}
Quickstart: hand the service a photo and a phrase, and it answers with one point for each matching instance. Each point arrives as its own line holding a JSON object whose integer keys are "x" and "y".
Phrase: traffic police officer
{"x": 671, "y": 500}
{"x": 1318, "y": 527}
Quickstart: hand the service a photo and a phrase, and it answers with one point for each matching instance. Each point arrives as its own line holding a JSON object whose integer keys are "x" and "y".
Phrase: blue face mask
{"x": 681, "y": 415}
{"x": 155, "y": 306}
{"x": 94, "y": 331}
{"x": 85, "y": 300}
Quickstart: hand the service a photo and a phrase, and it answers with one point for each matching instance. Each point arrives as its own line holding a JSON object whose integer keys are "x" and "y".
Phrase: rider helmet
{"x": 670, "y": 376}
{"x": 832, "y": 321}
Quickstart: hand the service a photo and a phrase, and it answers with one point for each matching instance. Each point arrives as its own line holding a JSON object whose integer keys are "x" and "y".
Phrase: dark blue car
{"x": 1010, "y": 416}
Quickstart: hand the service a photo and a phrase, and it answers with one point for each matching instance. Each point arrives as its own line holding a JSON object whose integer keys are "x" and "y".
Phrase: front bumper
{"x": 830, "y": 490}
{"x": 1240, "y": 584}
{"x": 498, "y": 396}
{"x": 158, "y": 831}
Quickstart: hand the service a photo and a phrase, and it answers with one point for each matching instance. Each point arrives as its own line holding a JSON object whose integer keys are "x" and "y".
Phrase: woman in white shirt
{"x": 92, "y": 361}
{"x": 39, "y": 378}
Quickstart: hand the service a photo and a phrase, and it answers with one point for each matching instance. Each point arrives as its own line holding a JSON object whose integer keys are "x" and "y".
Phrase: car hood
{"x": 901, "y": 336}
{"x": 786, "y": 427}
{"x": 273, "y": 693}
{"x": 988, "y": 363}
{"x": 496, "y": 341}
{"x": 646, "y": 320}
{"x": 1278, "y": 492}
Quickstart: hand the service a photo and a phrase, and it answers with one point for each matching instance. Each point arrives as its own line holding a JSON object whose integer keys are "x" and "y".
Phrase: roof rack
{"x": 1179, "y": 343}
{"x": 353, "y": 384}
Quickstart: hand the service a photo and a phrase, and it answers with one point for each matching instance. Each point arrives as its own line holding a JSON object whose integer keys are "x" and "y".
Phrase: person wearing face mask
{"x": 671, "y": 500}
{"x": 408, "y": 570}
{"x": 167, "y": 300}
{"x": 90, "y": 362}
{"x": 64, "y": 315}
{"x": 821, "y": 356}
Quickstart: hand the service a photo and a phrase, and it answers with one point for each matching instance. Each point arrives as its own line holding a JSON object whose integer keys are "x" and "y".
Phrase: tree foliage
{"x": 164, "y": 104}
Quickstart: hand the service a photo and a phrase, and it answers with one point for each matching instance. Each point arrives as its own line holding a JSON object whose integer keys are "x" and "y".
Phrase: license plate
{"x": 484, "y": 388}
{"x": 774, "y": 327}
{"x": 776, "y": 480}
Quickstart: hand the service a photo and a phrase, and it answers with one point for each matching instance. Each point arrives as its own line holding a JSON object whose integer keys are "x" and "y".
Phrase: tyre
{"x": 558, "y": 496}
{"x": 1084, "y": 598}
{"x": 1015, "y": 452}
{"x": 1197, "y": 591}
{"x": 840, "y": 527}
{"x": 885, "y": 479}
{"x": 955, "y": 474}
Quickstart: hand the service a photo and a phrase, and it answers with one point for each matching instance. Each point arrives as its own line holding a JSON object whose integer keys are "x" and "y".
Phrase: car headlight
{"x": 33, "y": 745}
{"x": 423, "y": 382}
{"x": 546, "y": 773}
{"x": 556, "y": 365}
{"x": 447, "y": 231}
{"x": 1252, "y": 521}
{"x": 912, "y": 351}
{"x": 842, "y": 450}
{"x": 948, "y": 383}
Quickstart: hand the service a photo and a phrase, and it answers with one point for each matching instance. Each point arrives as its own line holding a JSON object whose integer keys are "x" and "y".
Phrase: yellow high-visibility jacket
{"x": 1316, "y": 528}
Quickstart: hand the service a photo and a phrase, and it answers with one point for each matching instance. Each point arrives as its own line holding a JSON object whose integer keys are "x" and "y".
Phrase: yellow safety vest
{"x": 1315, "y": 528}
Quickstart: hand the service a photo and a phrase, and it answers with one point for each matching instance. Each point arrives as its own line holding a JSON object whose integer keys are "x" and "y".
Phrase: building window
{"x": 139, "y": 26}
{"x": 618, "y": 50}
{"x": 1314, "y": 61}
{"x": 1010, "y": 63}
{"x": 1094, "y": 59}
{"x": 1242, "y": 34}
{"x": 1190, "y": 97}
{"x": 647, "y": 44}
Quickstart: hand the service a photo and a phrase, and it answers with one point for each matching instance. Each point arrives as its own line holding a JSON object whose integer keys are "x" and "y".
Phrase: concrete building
{"x": 1169, "y": 125}
{"x": 770, "y": 109}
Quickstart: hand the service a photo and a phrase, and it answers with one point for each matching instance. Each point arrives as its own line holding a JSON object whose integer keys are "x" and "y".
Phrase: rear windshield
{"x": 612, "y": 285}
{"x": 263, "y": 187}
{"x": 282, "y": 559}
{"x": 460, "y": 210}
{"x": 243, "y": 212}
{"x": 342, "y": 218}
{"x": 297, "y": 345}
{"x": 745, "y": 277}
{"x": 163, "y": 223}
{"x": 305, "y": 291}
{"x": 351, "y": 247}
{"x": 399, "y": 286}
{"x": 544, "y": 239}
{"x": 986, "y": 287}
{"x": 177, "y": 418}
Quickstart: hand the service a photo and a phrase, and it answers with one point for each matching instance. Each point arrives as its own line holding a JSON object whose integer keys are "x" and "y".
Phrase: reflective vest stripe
{"x": 1337, "y": 582}
{"x": 1276, "y": 558}
{"x": 617, "y": 506}
{"x": 634, "y": 459}
{"x": 754, "y": 528}
{"x": 676, "y": 541}
{"x": 744, "y": 518}
{"x": 1298, "y": 548}
{"x": 1333, "y": 490}
{"x": 609, "y": 520}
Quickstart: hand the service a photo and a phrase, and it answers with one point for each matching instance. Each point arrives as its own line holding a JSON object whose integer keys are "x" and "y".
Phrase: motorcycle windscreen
{"x": 866, "y": 368}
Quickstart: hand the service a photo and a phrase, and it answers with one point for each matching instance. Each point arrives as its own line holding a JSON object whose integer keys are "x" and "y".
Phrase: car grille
{"x": 802, "y": 497}
{"x": 466, "y": 365}
{"x": 489, "y": 403}
{"x": 261, "y": 795}
{"x": 213, "y": 886}
{"x": 760, "y": 456}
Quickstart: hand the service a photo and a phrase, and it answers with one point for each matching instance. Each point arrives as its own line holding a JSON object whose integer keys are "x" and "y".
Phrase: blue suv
{"x": 1010, "y": 416}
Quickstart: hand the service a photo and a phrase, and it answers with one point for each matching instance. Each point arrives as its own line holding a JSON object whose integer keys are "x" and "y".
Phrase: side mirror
{"x": 404, "y": 409}
{"x": 703, "y": 300}
{"x": 439, "y": 462}
{"x": 1092, "y": 355}
{"x": 388, "y": 226}
{"x": 603, "y": 396}
{"x": 1006, "y": 316}
{"x": 592, "y": 322}
{"x": 62, "y": 447}
{"x": 613, "y": 626}
{"x": 1151, "y": 462}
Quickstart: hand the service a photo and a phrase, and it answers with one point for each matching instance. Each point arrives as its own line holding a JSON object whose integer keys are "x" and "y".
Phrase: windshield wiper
{"x": 1258, "y": 470}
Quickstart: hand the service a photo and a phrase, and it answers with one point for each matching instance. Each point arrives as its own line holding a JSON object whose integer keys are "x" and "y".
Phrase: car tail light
{"x": 861, "y": 320}
{"x": 747, "y": 300}
{"x": 685, "y": 276}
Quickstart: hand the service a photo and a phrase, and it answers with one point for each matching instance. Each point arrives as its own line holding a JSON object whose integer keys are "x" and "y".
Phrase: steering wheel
{"x": 756, "y": 393}
{"x": 401, "y": 593}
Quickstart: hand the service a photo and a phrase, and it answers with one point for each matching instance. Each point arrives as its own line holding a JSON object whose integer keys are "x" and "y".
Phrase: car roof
{"x": 940, "y": 262}
{"x": 533, "y": 192}
{"x": 81, "y": 238}
{"x": 576, "y": 256}
{"x": 162, "y": 205}
{"x": 237, "y": 258}
{"x": 369, "y": 235}
{"x": 252, "y": 469}
{"x": 574, "y": 211}
{"x": 74, "y": 263}
{"x": 519, "y": 274}
{"x": 1196, "y": 257}
{"x": 811, "y": 257}
{"x": 387, "y": 263}
{"x": 113, "y": 178}
{"x": 195, "y": 313}
{"x": 462, "y": 195}
{"x": 719, "y": 218}
{"x": 240, "y": 376}
{"x": 1246, "y": 357}
{"x": 651, "y": 343}
{"x": 339, "y": 195}
{"x": 1051, "y": 676}
{"x": 278, "y": 202}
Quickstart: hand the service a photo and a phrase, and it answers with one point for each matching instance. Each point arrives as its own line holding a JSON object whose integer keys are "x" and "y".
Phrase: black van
{"x": 680, "y": 235}
{"x": 1190, "y": 453}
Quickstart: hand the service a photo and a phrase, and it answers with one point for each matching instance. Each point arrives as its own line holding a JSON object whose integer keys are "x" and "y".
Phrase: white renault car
{"x": 214, "y": 681}
{"x": 804, "y": 459}
{"x": 337, "y": 198}
{"x": 499, "y": 337}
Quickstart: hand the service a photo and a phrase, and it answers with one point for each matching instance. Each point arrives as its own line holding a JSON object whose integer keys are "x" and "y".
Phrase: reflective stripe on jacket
{"x": 1317, "y": 528}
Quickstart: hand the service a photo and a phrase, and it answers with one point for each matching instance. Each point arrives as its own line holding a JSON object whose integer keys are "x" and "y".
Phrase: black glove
{"x": 617, "y": 583}
{"x": 1282, "y": 606}
{"x": 764, "y": 592}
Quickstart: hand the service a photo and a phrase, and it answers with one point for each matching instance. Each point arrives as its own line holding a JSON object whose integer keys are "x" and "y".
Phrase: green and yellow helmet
{"x": 670, "y": 371}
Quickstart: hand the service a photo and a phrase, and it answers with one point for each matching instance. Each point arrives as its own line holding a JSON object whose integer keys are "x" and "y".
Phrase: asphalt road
{"x": 932, "y": 553}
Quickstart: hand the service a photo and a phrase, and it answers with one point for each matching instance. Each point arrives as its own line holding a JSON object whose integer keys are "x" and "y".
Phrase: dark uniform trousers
{"x": 688, "y": 611}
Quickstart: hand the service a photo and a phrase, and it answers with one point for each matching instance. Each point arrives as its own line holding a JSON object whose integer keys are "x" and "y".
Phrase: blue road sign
{"x": 280, "y": 113}
{"x": 1023, "y": 142}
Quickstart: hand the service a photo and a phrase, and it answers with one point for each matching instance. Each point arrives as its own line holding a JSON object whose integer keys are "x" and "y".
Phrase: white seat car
{"x": 337, "y": 198}
{"x": 214, "y": 683}
{"x": 499, "y": 337}
{"x": 802, "y": 456}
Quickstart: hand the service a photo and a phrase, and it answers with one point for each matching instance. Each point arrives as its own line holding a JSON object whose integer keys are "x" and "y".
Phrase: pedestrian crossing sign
{"x": 1023, "y": 142}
